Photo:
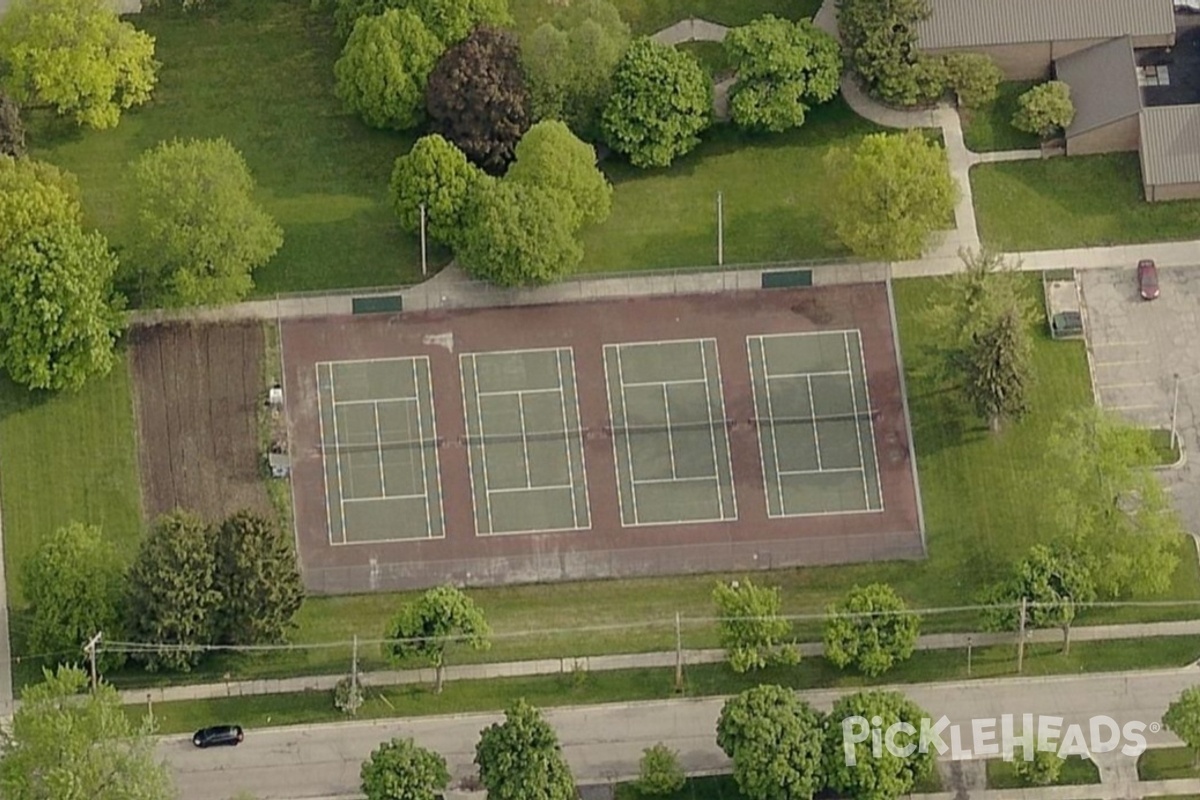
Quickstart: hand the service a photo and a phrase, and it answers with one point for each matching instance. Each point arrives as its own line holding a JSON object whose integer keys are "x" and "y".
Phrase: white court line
{"x": 628, "y": 446}
{"x": 474, "y": 386}
{"x": 709, "y": 479}
{"x": 420, "y": 438}
{"x": 562, "y": 407}
{"x": 389, "y": 497}
{"x": 608, "y": 396}
{"x": 519, "y": 392}
{"x": 437, "y": 464}
{"x": 666, "y": 383}
{"x": 587, "y": 498}
{"x": 524, "y": 442}
{"x": 829, "y": 471}
{"x": 725, "y": 431}
{"x": 337, "y": 453}
{"x": 708, "y": 404}
{"x": 766, "y": 379}
{"x": 377, "y": 399}
{"x": 862, "y": 360}
{"x": 819, "y": 374}
{"x": 816, "y": 436}
{"x": 324, "y": 456}
{"x": 862, "y": 461}
{"x": 379, "y": 449}
{"x": 555, "y": 487}
{"x": 670, "y": 434}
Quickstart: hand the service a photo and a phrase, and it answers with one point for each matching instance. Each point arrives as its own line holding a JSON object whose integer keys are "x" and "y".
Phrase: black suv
{"x": 217, "y": 735}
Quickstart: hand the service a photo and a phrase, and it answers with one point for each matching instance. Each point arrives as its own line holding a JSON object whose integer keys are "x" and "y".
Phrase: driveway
{"x": 1137, "y": 348}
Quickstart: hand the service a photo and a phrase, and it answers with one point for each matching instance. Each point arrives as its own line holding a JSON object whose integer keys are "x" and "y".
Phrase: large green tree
{"x": 750, "y": 628}
{"x": 77, "y": 57}
{"x": 449, "y": 20}
{"x": 74, "y": 584}
{"x": 551, "y": 157}
{"x": 201, "y": 234}
{"x": 383, "y": 68}
{"x": 442, "y": 616}
{"x": 1052, "y": 581}
{"x": 776, "y": 742}
{"x": 437, "y": 175}
{"x": 401, "y": 770}
{"x": 1111, "y": 510}
{"x": 173, "y": 599}
{"x": 880, "y": 41}
{"x": 974, "y": 77}
{"x": 997, "y": 369}
{"x": 515, "y": 234}
{"x": 570, "y": 61}
{"x": 59, "y": 315}
{"x": 34, "y": 194}
{"x": 661, "y": 101}
{"x": 64, "y": 745}
{"x": 852, "y": 769}
{"x": 783, "y": 69}
{"x": 256, "y": 574}
{"x": 1045, "y": 109}
{"x": 476, "y": 97}
{"x": 520, "y": 759}
{"x": 871, "y": 629}
{"x": 888, "y": 194}
{"x": 1183, "y": 720}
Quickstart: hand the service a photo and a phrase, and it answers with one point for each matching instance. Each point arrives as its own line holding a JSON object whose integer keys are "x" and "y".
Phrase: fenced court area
{"x": 744, "y": 431}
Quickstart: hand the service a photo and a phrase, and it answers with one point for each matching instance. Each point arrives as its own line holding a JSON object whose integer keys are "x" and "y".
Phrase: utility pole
{"x": 90, "y": 650}
{"x": 1021, "y": 640}
{"x": 720, "y": 230}
{"x": 968, "y": 656}
{"x": 678, "y": 655}
{"x": 1175, "y": 412}
{"x": 354, "y": 671}
{"x": 424, "y": 263}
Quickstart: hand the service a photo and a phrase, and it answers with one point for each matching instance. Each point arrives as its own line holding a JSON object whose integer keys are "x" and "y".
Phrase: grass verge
{"x": 1077, "y": 771}
{"x": 1081, "y": 201}
{"x": 272, "y": 427}
{"x": 1168, "y": 763}
{"x": 654, "y": 684}
{"x": 260, "y": 74}
{"x": 990, "y": 128}
{"x": 723, "y": 787}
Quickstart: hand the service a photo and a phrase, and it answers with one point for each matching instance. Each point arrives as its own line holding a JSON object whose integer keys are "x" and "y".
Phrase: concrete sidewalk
{"x": 658, "y": 660}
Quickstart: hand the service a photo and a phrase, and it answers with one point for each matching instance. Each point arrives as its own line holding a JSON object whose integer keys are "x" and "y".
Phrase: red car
{"x": 1147, "y": 278}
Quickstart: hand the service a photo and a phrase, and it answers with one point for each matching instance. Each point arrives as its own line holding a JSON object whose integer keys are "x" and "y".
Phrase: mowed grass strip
{"x": 260, "y": 74}
{"x": 1076, "y": 771}
{"x": 990, "y": 128}
{"x": 1081, "y": 201}
{"x": 774, "y": 194}
{"x": 1168, "y": 763}
{"x": 67, "y": 457}
{"x": 656, "y": 684}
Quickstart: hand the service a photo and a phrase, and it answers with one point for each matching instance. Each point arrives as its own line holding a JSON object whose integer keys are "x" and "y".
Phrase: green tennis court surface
{"x": 524, "y": 441}
{"x": 815, "y": 431}
{"x": 379, "y": 450}
{"x": 670, "y": 437}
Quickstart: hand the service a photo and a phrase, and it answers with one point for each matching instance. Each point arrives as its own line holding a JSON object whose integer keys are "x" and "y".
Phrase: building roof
{"x": 978, "y": 23}
{"x": 1170, "y": 144}
{"x": 1104, "y": 85}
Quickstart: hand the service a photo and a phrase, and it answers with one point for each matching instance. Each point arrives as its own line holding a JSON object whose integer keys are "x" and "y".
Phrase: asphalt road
{"x": 605, "y": 742}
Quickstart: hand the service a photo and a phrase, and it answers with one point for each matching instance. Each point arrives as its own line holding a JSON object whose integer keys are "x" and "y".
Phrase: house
{"x": 1115, "y": 55}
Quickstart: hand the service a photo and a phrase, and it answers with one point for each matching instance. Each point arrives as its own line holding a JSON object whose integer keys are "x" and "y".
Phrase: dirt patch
{"x": 198, "y": 391}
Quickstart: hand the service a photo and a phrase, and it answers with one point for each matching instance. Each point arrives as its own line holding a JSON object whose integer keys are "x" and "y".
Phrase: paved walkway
{"x": 556, "y": 666}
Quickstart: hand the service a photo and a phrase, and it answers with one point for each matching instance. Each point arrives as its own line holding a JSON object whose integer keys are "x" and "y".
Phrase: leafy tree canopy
{"x": 869, "y": 777}
{"x": 260, "y": 585}
{"x": 519, "y": 759}
{"x": 659, "y": 771}
{"x": 889, "y": 193}
{"x": 661, "y": 101}
{"x": 1183, "y": 719}
{"x": 401, "y": 770}
{"x": 776, "y": 742}
{"x": 872, "y": 629}
{"x": 77, "y": 57}
{"x": 1053, "y": 581}
{"x": 476, "y": 97}
{"x": 550, "y": 156}
{"x": 441, "y": 616}
{"x": 880, "y": 41}
{"x": 437, "y": 175}
{"x": 59, "y": 316}
{"x": 201, "y": 234}
{"x": 449, "y": 20}
{"x": 69, "y": 746}
{"x": 384, "y": 66}
{"x": 515, "y": 234}
{"x": 1045, "y": 109}
{"x": 974, "y": 77}
{"x": 34, "y": 194}
{"x": 783, "y": 68}
{"x": 74, "y": 584}
{"x": 752, "y": 632}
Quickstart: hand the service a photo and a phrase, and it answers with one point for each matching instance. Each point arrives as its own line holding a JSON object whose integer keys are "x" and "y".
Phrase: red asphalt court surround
{"x": 753, "y": 541}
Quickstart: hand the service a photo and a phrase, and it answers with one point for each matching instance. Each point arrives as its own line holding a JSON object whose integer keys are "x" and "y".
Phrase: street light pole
{"x": 1175, "y": 412}
{"x": 720, "y": 230}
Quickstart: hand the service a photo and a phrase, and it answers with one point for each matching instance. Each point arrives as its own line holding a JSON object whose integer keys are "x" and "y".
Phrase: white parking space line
{"x": 1120, "y": 363}
{"x": 1133, "y": 385}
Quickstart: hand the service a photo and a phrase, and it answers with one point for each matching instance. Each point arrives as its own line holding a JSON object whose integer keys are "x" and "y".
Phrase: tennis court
{"x": 669, "y": 432}
{"x": 524, "y": 441}
{"x": 379, "y": 450}
{"x": 815, "y": 423}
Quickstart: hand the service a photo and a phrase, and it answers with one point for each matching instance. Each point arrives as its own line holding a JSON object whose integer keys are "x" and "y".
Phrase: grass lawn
{"x": 650, "y": 684}
{"x": 1081, "y": 201}
{"x": 649, "y": 16}
{"x": 260, "y": 74}
{"x": 1168, "y": 763}
{"x": 990, "y": 128}
{"x": 1076, "y": 771}
{"x": 66, "y": 457}
{"x": 723, "y": 787}
{"x": 711, "y": 56}
{"x": 774, "y": 195}
{"x": 982, "y": 510}
{"x": 1162, "y": 453}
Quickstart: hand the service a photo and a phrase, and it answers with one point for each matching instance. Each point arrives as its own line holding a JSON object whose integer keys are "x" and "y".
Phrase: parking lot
{"x": 1137, "y": 347}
